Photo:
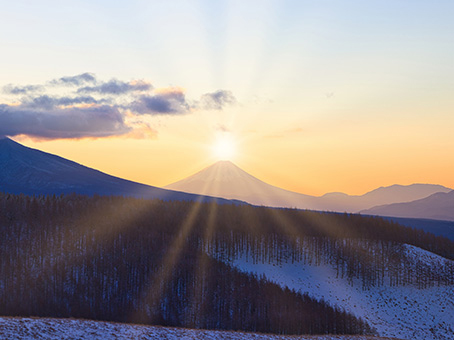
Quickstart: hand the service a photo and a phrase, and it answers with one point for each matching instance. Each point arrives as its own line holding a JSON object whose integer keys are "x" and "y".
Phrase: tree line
{"x": 155, "y": 262}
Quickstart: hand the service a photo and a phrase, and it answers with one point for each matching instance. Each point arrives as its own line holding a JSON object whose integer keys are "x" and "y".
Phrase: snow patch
{"x": 57, "y": 329}
{"x": 404, "y": 312}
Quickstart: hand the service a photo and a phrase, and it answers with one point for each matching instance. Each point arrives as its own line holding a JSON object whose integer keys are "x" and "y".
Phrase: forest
{"x": 166, "y": 262}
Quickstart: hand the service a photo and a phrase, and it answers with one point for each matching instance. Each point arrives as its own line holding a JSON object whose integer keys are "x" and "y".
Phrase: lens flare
{"x": 224, "y": 148}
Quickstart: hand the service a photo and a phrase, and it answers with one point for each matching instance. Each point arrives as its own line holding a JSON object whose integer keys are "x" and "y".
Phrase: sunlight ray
{"x": 170, "y": 259}
{"x": 201, "y": 264}
{"x": 86, "y": 228}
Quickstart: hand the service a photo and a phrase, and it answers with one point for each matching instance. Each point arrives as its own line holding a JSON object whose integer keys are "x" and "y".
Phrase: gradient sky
{"x": 318, "y": 96}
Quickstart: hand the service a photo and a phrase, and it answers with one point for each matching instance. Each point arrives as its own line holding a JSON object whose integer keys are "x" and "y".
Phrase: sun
{"x": 224, "y": 148}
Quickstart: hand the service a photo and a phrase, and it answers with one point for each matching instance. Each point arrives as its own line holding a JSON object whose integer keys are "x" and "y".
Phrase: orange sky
{"x": 316, "y": 97}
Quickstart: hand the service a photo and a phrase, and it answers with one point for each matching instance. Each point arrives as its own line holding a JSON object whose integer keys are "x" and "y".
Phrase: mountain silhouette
{"x": 33, "y": 172}
{"x": 384, "y": 195}
{"x": 225, "y": 179}
{"x": 439, "y": 206}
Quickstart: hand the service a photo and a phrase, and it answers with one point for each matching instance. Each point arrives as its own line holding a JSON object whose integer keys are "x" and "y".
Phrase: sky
{"x": 311, "y": 96}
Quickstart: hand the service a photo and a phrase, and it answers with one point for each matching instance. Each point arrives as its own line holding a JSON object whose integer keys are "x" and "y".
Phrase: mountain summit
{"x": 225, "y": 179}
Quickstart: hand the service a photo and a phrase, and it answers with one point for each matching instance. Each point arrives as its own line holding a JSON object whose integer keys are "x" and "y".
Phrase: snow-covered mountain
{"x": 439, "y": 206}
{"x": 402, "y": 311}
{"x": 57, "y": 329}
{"x": 225, "y": 179}
{"x": 33, "y": 172}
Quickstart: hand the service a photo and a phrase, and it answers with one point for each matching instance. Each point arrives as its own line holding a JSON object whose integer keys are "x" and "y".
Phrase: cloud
{"x": 78, "y": 80}
{"x": 48, "y": 102}
{"x": 117, "y": 87}
{"x": 329, "y": 95}
{"x": 82, "y": 106}
{"x": 100, "y": 121}
{"x": 169, "y": 101}
{"x": 217, "y": 100}
{"x": 17, "y": 90}
{"x": 222, "y": 128}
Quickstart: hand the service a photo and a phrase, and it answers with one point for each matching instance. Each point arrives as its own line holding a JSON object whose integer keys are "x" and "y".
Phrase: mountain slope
{"x": 439, "y": 206}
{"x": 383, "y": 195}
{"x": 225, "y": 179}
{"x": 403, "y": 311}
{"x": 33, "y": 172}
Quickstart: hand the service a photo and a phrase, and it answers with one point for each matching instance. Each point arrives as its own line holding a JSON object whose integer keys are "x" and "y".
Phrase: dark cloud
{"x": 81, "y": 106}
{"x": 101, "y": 121}
{"x": 117, "y": 87}
{"x": 170, "y": 102}
{"x": 10, "y": 89}
{"x": 47, "y": 102}
{"x": 78, "y": 80}
{"x": 217, "y": 100}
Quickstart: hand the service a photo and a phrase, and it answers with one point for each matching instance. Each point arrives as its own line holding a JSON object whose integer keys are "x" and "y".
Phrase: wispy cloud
{"x": 171, "y": 101}
{"x": 117, "y": 87}
{"x": 77, "y": 80}
{"x": 222, "y": 128}
{"x": 217, "y": 100}
{"x": 47, "y": 102}
{"x": 22, "y": 90}
{"x": 83, "y": 106}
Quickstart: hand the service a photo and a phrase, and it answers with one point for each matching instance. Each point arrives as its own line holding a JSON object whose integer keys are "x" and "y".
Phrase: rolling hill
{"x": 404, "y": 311}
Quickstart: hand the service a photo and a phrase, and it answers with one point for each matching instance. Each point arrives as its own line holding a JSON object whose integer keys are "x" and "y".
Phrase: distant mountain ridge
{"x": 439, "y": 206}
{"x": 384, "y": 195}
{"x": 225, "y": 179}
{"x": 33, "y": 172}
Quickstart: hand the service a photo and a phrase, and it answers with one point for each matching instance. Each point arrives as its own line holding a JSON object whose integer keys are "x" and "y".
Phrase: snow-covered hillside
{"x": 61, "y": 329}
{"x": 400, "y": 311}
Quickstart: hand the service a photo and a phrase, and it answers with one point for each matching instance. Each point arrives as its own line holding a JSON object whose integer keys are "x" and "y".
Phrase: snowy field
{"x": 65, "y": 329}
{"x": 401, "y": 312}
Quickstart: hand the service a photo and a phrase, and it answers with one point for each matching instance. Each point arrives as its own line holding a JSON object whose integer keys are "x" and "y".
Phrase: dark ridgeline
{"x": 29, "y": 171}
{"x": 157, "y": 262}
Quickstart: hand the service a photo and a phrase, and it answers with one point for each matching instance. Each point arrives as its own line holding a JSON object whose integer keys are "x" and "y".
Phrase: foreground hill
{"x": 170, "y": 263}
{"x": 439, "y": 206}
{"x": 65, "y": 329}
{"x": 436, "y": 227}
{"x": 145, "y": 261}
{"x": 408, "y": 311}
{"x": 225, "y": 179}
{"x": 33, "y": 172}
